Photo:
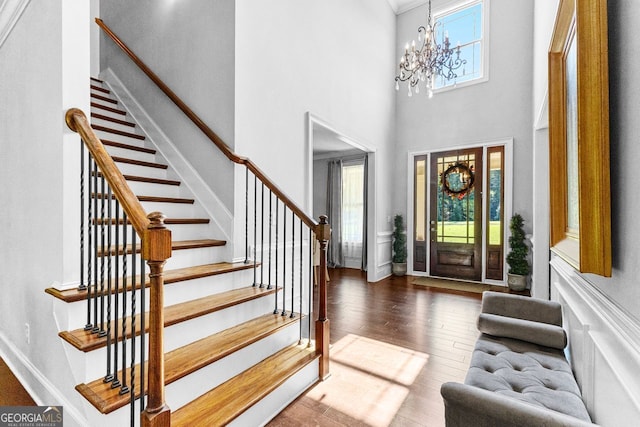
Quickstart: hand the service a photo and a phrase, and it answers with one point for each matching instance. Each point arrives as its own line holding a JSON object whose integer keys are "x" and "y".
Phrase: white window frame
{"x": 438, "y": 12}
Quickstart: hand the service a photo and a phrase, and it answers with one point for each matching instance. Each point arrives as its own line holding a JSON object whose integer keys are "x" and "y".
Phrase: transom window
{"x": 464, "y": 26}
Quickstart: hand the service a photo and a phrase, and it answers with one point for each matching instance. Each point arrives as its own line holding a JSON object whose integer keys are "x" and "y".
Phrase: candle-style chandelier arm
{"x": 431, "y": 60}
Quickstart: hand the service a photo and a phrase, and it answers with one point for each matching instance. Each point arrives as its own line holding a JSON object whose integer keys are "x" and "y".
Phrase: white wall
{"x": 331, "y": 58}
{"x": 500, "y": 107}
{"x": 190, "y": 46}
{"x": 45, "y": 71}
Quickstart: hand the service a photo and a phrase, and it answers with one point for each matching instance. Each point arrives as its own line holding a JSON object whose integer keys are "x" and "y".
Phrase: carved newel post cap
{"x": 156, "y": 219}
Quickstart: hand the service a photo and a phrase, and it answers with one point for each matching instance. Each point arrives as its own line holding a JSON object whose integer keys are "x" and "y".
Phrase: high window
{"x": 465, "y": 27}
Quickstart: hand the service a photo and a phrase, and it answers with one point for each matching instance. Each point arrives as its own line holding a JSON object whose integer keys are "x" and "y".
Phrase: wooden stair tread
{"x": 139, "y": 163}
{"x": 170, "y": 277}
{"x": 146, "y": 179}
{"x": 227, "y": 401}
{"x": 157, "y": 199}
{"x": 112, "y": 119}
{"x": 108, "y": 108}
{"x": 104, "y": 98}
{"x": 175, "y": 246}
{"x": 99, "y": 88}
{"x": 117, "y": 132}
{"x": 86, "y": 341}
{"x": 167, "y": 221}
{"x": 152, "y": 180}
{"x": 95, "y": 79}
{"x": 188, "y": 359}
{"x": 128, "y": 146}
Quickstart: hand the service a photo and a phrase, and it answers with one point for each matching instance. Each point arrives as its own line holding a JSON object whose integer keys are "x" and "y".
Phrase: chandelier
{"x": 429, "y": 61}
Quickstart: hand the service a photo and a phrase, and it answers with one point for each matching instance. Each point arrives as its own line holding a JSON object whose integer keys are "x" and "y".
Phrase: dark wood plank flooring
{"x": 393, "y": 345}
{"x": 11, "y": 391}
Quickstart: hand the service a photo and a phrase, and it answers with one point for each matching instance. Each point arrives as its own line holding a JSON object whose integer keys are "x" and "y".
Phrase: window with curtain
{"x": 352, "y": 211}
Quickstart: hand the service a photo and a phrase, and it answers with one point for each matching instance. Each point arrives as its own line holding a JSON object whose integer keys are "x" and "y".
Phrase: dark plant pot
{"x": 399, "y": 268}
{"x": 517, "y": 282}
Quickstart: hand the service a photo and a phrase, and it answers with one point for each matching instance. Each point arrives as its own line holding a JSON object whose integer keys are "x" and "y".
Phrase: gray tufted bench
{"x": 518, "y": 375}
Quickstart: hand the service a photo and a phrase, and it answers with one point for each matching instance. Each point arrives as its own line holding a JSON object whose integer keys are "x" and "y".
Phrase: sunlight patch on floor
{"x": 369, "y": 379}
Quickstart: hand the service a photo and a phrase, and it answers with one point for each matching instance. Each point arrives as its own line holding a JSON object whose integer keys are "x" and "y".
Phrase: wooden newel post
{"x": 323, "y": 234}
{"x": 156, "y": 249}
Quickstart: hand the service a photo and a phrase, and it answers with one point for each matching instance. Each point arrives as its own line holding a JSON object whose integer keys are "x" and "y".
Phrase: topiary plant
{"x": 399, "y": 241}
{"x": 517, "y": 257}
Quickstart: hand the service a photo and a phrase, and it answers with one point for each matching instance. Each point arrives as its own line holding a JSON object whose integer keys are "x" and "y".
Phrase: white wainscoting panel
{"x": 383, "y": 248}
{"x": 604, "y": 347}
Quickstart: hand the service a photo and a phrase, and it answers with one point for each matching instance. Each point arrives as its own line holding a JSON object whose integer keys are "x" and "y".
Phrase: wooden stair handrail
{"x": 156, "y": 249}
{"x": 310, "y": 222}
{"x": 77, "y": 121}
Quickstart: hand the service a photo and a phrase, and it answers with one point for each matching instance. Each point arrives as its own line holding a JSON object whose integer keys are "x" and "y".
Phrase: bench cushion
{"x": 528, "y": 372}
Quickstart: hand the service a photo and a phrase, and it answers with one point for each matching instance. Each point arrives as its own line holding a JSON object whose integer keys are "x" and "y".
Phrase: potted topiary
{"x": 399, "y": 259}
{"x": 517, "y": 257}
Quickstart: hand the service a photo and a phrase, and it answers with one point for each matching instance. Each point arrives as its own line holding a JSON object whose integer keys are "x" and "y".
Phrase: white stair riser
{"x": 190, "y": 257}
{"x": 137, "y": 170}
{"x": 72, "y": 316}
{"x": 178, "y": 231}
{"x": 155, "y": 189}
{"x": 132, "y": 154}
{"x": 175, "y": 336}
{"x": 120, "y": 138}
{"x": 192, "y": 386}
{"x": 115, "y": 125}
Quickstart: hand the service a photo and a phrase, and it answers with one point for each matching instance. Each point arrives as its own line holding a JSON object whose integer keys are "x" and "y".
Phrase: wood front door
{"x": 455, "y": 225}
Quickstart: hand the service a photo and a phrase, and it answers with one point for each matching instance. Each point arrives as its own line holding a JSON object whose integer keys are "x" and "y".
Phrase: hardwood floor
{"x": 11, "y": 391}
{"x": 393, "y": 345}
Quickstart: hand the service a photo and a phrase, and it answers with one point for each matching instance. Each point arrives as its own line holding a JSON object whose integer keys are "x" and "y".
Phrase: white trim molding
{"x": 10, "y": 13}
{"x": 604, "y": 346}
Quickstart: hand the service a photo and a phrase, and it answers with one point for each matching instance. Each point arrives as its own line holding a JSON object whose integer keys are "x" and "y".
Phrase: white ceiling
{"x": 401, "y": 6}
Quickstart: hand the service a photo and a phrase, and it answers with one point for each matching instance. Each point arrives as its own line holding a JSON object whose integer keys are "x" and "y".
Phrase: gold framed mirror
{"x": 580, "y": 205}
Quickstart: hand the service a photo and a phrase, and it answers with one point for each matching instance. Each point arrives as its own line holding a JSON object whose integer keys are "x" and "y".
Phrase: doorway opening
{"x": 340, "y": 187}
{"x": 460, "y": 199}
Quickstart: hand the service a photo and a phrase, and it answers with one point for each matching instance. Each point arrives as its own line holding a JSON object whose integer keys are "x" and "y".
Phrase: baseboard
{"x": 604, "y": 346}
{"x": 28, "y": 375}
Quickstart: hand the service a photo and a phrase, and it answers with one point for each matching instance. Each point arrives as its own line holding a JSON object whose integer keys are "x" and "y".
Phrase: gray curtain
{"x": 365, "y": 205}
{"x": 334, "y": 211}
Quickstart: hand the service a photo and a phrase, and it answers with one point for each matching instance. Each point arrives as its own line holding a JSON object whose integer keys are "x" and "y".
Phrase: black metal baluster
{"x": 102, "y": 196}
{"x": 293, "y": 264}
{"x": 124, "y": 389}
{"x": 90, "y": 247}
{"x": 275, "y": 310}
{"x": 270, "y": 227}
{"x": 82, "y": 286}
{"x": 312, "y": 243}
{"x": 109, "y": 376}
{"x": 255, "y": 227}
{"x": 262, "y": 240}
{"x": 95, "y": 329}
{"x": 300, "y": 290}
{"x": 143, "y": 328}
{"x": 116, "y": 363}
{"x": 284, "y": 260}
{"x": 246, "y": 215}
{"x": 132, "y": 372}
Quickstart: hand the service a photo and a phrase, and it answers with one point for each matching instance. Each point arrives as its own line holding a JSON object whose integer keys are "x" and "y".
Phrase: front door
{"x": 455, "y": 225}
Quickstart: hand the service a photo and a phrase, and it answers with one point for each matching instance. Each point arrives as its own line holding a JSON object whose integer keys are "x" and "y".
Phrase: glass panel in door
{"x": 456, "y": 214}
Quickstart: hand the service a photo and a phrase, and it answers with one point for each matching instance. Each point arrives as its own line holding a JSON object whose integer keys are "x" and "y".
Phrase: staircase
{"x": 233, "y": 350}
